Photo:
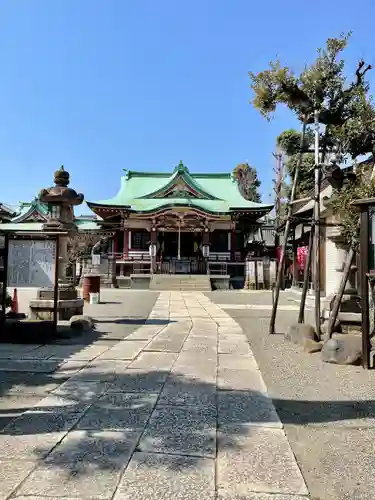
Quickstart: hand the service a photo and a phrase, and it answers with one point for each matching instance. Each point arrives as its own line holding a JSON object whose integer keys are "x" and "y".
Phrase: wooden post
{"x": 281, "y": 266}
{"x": 125, "y": 253}
{"x": 233, "y": 242}
{"x": 364, "y": 269}
{"x": 301, "y": 314}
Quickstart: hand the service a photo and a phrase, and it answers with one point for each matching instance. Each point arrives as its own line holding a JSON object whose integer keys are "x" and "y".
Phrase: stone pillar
{"x": 64, "y": 282}
{"x": 153, "y": 241}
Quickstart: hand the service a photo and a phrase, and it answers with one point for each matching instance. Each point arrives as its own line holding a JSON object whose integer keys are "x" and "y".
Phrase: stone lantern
{"x": 60, "y": 200}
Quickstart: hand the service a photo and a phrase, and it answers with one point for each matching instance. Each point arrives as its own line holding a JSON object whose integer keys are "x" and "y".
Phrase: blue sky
{"x": 102, "y": 85}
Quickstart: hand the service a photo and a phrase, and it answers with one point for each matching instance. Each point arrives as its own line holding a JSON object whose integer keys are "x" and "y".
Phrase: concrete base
{"x": 124, "y": 281}
{"x": 140, "y": 281}
{"x": 42, "y": 309}
{"x": 220, "y": 282}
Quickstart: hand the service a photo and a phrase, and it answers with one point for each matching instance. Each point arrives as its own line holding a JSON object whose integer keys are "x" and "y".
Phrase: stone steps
{"x": 189, "y": 282}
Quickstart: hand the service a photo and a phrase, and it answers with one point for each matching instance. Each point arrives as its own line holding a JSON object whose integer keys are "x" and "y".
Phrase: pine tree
{"x": 248, "y": 182}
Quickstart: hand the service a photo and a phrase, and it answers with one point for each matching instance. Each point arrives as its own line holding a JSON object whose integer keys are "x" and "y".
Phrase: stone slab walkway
{"x": 177, "y": 410}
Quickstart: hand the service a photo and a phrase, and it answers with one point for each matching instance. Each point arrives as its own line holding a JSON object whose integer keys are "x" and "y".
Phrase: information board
{"x": 31, "y": 263}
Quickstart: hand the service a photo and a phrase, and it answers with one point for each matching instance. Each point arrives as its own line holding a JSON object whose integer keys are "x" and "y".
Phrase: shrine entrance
{"x": 180, "y": 253}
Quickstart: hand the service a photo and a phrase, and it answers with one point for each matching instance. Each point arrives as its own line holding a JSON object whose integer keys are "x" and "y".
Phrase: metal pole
{"x": 56, "y": 284}
{"x": 280, "y": 269}
{"x": 301, "y": 315}
{"x": 316, "y": 261}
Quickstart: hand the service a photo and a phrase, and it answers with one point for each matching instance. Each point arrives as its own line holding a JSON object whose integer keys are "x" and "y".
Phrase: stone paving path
{"x": 177, "y": 410}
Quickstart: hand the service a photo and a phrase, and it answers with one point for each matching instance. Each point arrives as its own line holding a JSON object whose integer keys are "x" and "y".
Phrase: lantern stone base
{"x": 68, "y": 305}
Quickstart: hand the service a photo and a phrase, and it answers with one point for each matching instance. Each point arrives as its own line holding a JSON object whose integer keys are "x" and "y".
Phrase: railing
{"x": 217, "y": 268}
{"x": 188, "y": 266}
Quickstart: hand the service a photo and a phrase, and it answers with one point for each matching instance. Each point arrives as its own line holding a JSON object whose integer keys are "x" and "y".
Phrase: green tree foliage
{"x": 362, "y": 187}
{"x": 345, "y": 109}
{"x": 248, "y": 182}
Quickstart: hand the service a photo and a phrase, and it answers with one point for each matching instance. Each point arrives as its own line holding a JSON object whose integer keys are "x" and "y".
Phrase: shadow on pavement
{"x": 136, "y": 321}
{"x": 112, "y": 414}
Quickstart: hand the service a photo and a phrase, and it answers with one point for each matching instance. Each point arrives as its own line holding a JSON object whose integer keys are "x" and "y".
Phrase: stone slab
{"x": 154, "y": 360}
{"x": 260, "y": 496}
{"x": 81, "y": 391}
{"x": 101, "y": 371}
{"x": 101, "y": 448}
{"x": 238, "y": 409}
{"x": 12, "y": 473}
{"x": 240, "y": 380}
{"x": 42, "y": 422}
{"x": 157, "y": 477}
{"x": 78, "y": 480}
{"x": 181, "y": 430}
{"x": 31, "y": 447}
{"x": 119, "y": 411}
{"x": 180, "y": 393}
{"x": 260, "y": 461}
{"x": 32, "y": 366}
{"x": 137, "y": 380}
{"x": 167, "y": 344}
{"x": 231, "y": 347}
{"x": 124, "y": 350}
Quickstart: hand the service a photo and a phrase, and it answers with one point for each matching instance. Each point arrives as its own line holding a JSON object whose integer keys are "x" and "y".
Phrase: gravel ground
{"x": 328, "y": 411}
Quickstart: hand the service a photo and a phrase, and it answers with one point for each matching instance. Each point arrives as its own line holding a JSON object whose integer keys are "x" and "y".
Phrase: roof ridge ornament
{"x": 181, "y": 168}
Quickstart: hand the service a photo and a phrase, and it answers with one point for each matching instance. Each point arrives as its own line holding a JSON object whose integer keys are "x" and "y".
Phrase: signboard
{"x": 251, "y": 271}
{"x": 31, "y": 263}
{"x": 95, "y": 259}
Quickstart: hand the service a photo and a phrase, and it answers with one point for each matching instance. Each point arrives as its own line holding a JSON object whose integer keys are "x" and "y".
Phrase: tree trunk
{"x": 301, "y": 315}
{"x": 281, "y": 266}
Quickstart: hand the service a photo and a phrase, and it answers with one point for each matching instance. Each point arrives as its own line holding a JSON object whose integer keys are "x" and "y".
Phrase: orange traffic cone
{"x": 14, "y": 305}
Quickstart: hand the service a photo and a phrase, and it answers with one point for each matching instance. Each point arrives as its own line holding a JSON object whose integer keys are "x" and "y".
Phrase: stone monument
{"x": 60, "y": 200}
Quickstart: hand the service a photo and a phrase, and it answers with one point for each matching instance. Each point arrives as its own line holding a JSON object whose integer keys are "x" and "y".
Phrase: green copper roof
{"x": 149, "y": 191}
{"x": 26, "y": 210}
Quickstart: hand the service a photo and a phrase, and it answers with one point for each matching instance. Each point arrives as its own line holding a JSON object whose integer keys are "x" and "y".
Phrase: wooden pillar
{"x": 126, "y": 244}
{"x": 364, "y": 270}
{"x": 205, "y": 242}
{"x": 233, "y": 244}
{"x": 115, "y": 243}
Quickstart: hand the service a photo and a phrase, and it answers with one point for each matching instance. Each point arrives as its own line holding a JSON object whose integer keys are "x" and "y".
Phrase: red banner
{"x": 302, "y": 257}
